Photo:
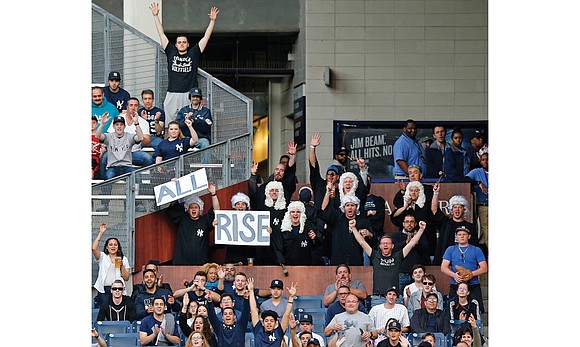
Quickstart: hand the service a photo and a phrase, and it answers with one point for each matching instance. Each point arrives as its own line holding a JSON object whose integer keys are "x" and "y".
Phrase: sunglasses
{"x": 116, "y": 288}
{"x": 431, "y": 300}
{"x": 428, "y": 283}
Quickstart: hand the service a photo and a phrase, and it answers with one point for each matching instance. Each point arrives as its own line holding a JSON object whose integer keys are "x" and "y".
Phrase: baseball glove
{"x": 466, "y": 274}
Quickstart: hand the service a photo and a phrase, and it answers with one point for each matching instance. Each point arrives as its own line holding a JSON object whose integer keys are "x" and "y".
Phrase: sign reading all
{"x": 242, "y": 228}
{"x": 180, "y": 188}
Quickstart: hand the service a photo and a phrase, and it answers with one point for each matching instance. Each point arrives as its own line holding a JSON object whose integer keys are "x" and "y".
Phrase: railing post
{"x": 227, "y": 164}
{"x": 106, "y": 42}
{"x": 130, "y": 215}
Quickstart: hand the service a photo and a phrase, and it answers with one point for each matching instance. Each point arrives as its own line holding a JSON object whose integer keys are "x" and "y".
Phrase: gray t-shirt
{"x": 119, "y": 149}
{"x": 269, "y": 305}
{"x": 351, "y": 326}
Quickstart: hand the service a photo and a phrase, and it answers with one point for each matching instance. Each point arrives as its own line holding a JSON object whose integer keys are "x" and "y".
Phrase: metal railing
{"x": 118, "y": 201}
{"x": 143, "y": 65}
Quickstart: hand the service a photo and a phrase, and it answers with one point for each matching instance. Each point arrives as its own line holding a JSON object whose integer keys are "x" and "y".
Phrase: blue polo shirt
{"x": 410, "y": 151}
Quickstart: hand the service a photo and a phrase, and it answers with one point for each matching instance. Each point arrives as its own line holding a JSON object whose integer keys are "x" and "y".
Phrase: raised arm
{"x": 314, "y": 142}
{"x": 435, "y": 200}
{"x": 415, "y": 240}
{"x": 99, "y": 132}
{"x": 96, "y": 251}
{"x": 293, "y": 323}
{"x": 363, "y": 171}
{"x": 326, "y": 200}
{"x": 194, "y": 137}
{"x": 359, "y": 238}
{"x": 183, "y": 291}
{"x": 211, "y": 187}
{"x": 286, "y": 316}
{"x": 205, "y": 39}
{"x": 154, "y": 7}
{"x": 139, "y": 132}
{"x": 221, "y": 275}
{"x": 292, "y": 153}
{"x": 253, "y": 306}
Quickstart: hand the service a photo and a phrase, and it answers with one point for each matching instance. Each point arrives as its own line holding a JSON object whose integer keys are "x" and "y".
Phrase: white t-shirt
{"x": 380, "y": 315}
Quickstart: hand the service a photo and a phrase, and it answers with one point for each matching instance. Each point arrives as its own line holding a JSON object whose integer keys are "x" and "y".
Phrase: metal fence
{"x": 117, "y": 202}
{"x": 116, "y": 46}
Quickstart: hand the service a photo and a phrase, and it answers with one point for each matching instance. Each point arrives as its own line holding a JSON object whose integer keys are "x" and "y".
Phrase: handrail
{"x": 131, "y": 195}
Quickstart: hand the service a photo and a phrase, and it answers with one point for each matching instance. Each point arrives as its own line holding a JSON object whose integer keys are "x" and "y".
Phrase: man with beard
{"x": 193, "y": 228}
{"x": 119, "y": 306}
{"x": 269, "y": 331}
{"x": 226, "y": 277}
{"x": 144, "y": 301}
{"x": 202, "y": 121}
{"x": 418, "y": 255}
{"x": 283, "y": 173}
{"x": 408, "y": 151}
{"x": 140, "y": 287}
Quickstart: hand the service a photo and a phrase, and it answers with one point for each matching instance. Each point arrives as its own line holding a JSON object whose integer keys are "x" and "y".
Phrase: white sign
{"x": 180, "y": 188}
{"x": 242, "y": 228}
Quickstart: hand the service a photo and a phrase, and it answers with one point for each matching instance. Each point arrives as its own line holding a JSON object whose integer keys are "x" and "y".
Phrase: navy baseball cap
{"x": 306, "y": 318}
{"x": 195, "y": 92}
{"x": 119, "y": 119}
{"x": 114, "y": 75}
{"x": 277, "y": 284}
{"x": 394, "y": 325}
{"x": 313, "y": 341}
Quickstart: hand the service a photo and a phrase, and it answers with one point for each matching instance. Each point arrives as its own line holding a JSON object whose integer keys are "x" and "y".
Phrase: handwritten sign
{"x": 242, "y": 228}
{"x": 180, "y": 188}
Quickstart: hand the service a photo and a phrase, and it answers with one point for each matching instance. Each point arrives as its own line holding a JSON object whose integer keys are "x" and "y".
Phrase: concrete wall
{"x": 393, "y": 60}
{"x": 390, "y": 59}
{"x": 248, "y": 16}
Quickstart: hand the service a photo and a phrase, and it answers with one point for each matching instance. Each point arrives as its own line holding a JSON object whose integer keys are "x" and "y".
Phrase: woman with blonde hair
{"x": 196, "y": 339}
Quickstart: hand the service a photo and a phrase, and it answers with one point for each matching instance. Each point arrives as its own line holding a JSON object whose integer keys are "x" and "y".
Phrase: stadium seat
{"x": 122, "y": 340}
{"x": 182, "y": 339}
{"x": 113, "y": 327}
{"x": 136, "y": 325}
{"x": 308, "y": 301}
{"x": 249, "y": 340}
{"x": 95, "y": 314}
